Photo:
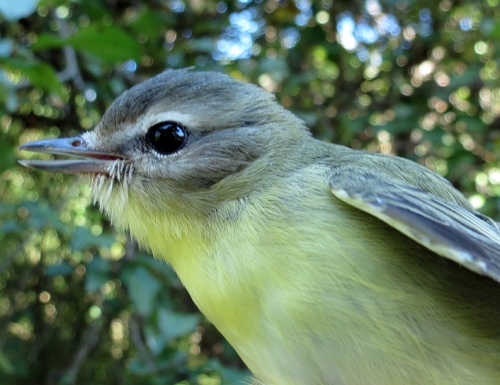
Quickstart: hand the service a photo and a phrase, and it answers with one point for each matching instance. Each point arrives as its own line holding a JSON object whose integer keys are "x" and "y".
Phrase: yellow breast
{"x": 327, "y": 299}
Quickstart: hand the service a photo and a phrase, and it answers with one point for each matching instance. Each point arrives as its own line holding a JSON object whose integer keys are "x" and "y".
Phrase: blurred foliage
{"x": 78, "y": 303}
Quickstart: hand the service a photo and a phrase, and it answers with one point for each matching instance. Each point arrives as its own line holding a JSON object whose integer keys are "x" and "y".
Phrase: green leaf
{"x": 5, "y": 365}
{"x": 150, "y": 23}
{"x": 142, "y": 288}
{"x": 46, "y": 41}
{"x": 173, "y": 324}
{"x": 83, "y": 239}
{"x": 110, "y": 43}
{"x": 11, "y": 226}
{"x": 6, "y": 208}
{"x": 42, "y": 216}
{"x": 229, "y": 375}
{"x": 10, "y": 99}
{"x": 7, "y": 157}
{"x": 309, "y": 117}
{"x": 63, "y": 268}
{"x": 406, "y": 119}
{"x": 469, "y": 76}
{"x": 97, "y": 274}
{"x": 8, "y": 94}
{"x": 277, "y": 68}
{"x": 352, "y": 126}
{"x": 160, "y": 268}
{"x": 495, "y": 32}
{"x": 204, "y": 44}
{"x": 95, "y": 9}
{"x": 473, "y": 123}
{"x": 39, "y": 74}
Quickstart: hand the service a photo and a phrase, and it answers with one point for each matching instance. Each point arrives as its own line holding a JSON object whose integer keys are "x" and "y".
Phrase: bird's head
{"x": 183, "y": 140}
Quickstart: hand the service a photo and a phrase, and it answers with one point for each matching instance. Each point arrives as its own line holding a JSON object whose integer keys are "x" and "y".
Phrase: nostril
{"x": 76, "y": 143}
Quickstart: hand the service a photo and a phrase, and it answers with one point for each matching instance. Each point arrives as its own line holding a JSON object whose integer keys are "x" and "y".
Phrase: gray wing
{"x": 466, "y": 237}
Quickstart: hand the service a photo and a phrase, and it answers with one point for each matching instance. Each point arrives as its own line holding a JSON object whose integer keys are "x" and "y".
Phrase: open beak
{"x": 92, "y": 162}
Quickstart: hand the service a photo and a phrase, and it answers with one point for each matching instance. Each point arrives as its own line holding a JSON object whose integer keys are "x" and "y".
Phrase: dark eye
{"x": 167, "y": 137}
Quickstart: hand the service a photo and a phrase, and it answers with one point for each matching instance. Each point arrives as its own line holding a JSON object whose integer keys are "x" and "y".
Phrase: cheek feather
{"x": 110, "y": 191}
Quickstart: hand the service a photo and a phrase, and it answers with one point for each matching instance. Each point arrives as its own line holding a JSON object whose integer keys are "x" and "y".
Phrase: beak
{"x": 93, "y": 162}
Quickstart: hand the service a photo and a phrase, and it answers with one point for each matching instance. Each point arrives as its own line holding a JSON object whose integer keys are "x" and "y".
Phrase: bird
{"x": 320, "y": 264}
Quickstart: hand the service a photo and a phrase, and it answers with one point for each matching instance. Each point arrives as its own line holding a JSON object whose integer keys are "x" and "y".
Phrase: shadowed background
{"x": 79, "y": 304}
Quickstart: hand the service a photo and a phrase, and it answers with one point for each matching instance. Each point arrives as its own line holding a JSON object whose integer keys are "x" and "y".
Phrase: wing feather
{"x": 451, "y": 231}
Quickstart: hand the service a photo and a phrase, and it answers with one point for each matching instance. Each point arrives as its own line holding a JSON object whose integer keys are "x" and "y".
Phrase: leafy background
{"x": 79, "y": 304}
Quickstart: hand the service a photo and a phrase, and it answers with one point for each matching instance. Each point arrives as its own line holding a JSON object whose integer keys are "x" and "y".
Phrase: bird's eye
{"x": 167, "y": 137}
